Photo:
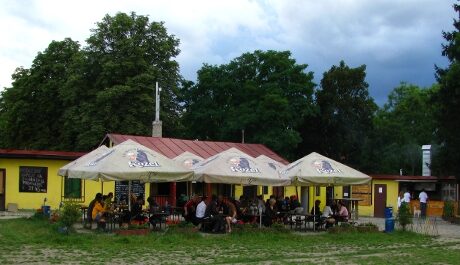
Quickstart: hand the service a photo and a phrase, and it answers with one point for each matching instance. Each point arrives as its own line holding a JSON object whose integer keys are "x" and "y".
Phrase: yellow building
{"x": 28, "y": 179}
{"x": 384, "y": 189}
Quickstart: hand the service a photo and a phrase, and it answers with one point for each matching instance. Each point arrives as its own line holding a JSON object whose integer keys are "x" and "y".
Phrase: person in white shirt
{"x": 406, "y": 198}
{"x": 423, "y": 200}
{"x": 400, "y": 199}
{"x": 200, "y": 211}
{"x": 327, "y": 215}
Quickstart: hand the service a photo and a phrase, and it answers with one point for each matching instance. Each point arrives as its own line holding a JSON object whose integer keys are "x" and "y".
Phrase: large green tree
{"x": 345, "y": 112}
{"x": 71, "y": 97}
{"x": 401, "y": 127}
{"x": 448, "y": 100}
{"x": 32, "y": 110}
{"x": 265, "y": 93}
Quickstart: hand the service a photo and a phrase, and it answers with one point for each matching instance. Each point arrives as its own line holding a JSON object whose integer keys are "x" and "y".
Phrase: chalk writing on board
{"x": 33, "y": 179}
{"x": 121, "y": 190}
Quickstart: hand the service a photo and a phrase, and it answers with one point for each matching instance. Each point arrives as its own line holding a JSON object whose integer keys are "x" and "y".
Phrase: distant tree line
{"x": 72, "y": 96}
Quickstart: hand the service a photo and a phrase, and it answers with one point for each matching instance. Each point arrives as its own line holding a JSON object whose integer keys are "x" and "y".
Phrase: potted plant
{"x": 404, "y": 216}
{"x": 68, "y": 216}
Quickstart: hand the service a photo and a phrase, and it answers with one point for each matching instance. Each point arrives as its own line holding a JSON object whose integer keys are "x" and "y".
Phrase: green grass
{"x": 28, "y": 241}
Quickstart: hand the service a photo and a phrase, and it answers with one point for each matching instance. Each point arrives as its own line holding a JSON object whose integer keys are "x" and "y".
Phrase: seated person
{"x": 315, "y": 213}
{"x": 136, "y": 210}
{"x": 294, "y": 203}
{"x": 270, "y": 213}
{"x": 315, "y": 210}
{"x": 98, "y": 210}
{"x": 200, "y": 211}
{"x": 190, "y": 208}
{"x": 229, "y": 210}
{"x": 342, "y": 214}
{"x": 327, "y": 215}
{"x": 260, "y": 205}
{"x": 212, "y": 211}
{"x": 108, "y": 204}
{"x": 153, "y": 205}
{"x": 89, "y": 213}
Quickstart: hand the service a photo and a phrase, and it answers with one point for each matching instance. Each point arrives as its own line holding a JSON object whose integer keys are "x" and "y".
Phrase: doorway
{"x": 346, "y": 192}
{"x": 380, "y": 200}
{"x": 2, "y": 189}
{"x": 250, "y": 192}
{"x": 329, "y": 193}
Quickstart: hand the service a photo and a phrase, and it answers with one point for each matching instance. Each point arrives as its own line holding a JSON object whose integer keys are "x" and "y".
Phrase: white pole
{"x": 314, "y": 210}
{"x": 129, "y": 195}
{"x": 157, "y": 103}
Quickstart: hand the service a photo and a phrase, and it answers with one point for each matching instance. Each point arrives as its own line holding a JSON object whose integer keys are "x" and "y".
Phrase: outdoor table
{"x": 111, "y": 219}
{"x": 160, "y": 217}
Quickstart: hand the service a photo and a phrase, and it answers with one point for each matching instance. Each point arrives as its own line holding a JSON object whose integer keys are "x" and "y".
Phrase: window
{"x": 318, "y": 191}
{"x": 265, "y": 190}
{"x": 72, "y": 188}
{"x": 363, "y": 192}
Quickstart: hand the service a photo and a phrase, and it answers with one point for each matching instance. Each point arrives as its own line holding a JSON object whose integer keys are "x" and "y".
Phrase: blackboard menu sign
{"x": 121, "y": 190}
{"x": 33, "y": 179}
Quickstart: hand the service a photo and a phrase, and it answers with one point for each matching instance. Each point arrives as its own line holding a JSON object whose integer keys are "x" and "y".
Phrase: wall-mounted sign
{"x": 33, "y": 179}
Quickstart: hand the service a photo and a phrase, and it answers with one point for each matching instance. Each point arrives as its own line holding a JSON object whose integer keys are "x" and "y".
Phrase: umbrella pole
{"x": 129, "y": 195}
{"x": 314, "y": 212}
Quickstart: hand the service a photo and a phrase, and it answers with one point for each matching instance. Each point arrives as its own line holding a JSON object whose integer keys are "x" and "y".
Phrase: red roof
{"x": 172, "y": 147}
{"x": 412, "y": 178}
{"x": 61, "y": 155}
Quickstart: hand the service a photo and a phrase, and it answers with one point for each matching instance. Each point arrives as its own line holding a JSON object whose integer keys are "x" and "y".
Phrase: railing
{"x": 161, "y": 199}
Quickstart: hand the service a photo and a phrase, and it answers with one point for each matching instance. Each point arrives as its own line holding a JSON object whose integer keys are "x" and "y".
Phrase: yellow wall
{"x": 392, "y": 197}
{"x": 34, "y": 200}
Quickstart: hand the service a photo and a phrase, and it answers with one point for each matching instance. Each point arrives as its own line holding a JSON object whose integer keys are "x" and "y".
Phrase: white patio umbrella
{"x": 188, "y": 160}
{"x": 236, "y": 167}
{"x": 130, "y": 161}
{"x": 272, "y": 163}
{"x": 82, "y": 160}
{"x": 318, "y": 170}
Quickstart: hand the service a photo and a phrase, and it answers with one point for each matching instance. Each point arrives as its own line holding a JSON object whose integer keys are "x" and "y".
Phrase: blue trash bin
{"x": 46, "y": 211}
{"x": 388, "y": 212}
{"x": 389, "y": 225}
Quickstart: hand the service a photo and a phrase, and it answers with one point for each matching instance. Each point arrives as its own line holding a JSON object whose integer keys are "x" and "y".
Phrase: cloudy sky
{"x": 398, "y": 40}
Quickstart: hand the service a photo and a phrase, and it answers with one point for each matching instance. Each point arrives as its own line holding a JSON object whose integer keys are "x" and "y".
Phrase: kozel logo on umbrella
{"x": 324, "y": 167}
{"x": 138, "y": 158}
{"x": 241, "y": 164}
{"x": 189, "y": 163}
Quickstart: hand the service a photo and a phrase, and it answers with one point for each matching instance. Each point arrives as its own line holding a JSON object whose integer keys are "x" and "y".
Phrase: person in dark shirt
{"x": 212, "y": 211}
{"x": 294, "y": 202}
{"x": 316, "y": 213}
{"x": 136, "y": 211}
{"x": 270, "y": 213}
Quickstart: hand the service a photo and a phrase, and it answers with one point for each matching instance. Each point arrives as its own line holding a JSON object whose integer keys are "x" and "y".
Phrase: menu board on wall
{"x": 363, "y": 192}
{"x": 33, "y": 179}
{"x": 121, "y": 190}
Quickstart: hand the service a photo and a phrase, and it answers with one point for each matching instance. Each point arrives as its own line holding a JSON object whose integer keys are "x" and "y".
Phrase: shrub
{"x": 69, "y": 214}
{"x": 448, "y": 211}
{"x": 404, "y": 216}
